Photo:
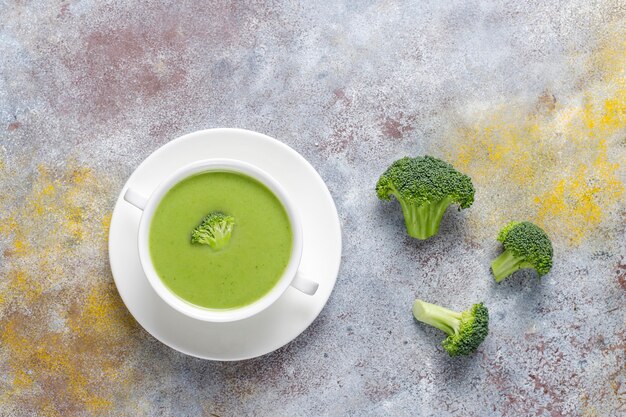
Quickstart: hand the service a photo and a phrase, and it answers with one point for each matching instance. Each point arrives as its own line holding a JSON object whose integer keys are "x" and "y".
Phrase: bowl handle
{"x": 136, "y": 199}
{"x": 304, "y": 284}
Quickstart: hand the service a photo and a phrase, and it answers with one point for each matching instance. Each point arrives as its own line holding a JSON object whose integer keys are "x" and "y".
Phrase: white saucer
{"x": 293, "y": 312}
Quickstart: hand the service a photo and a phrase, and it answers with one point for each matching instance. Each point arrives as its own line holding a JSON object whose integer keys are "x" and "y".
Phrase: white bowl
{"x": 290, "y": 276}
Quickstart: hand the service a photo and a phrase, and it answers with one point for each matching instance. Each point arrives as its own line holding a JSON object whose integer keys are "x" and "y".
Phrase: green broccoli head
{"x": 526, "y": 245}
{"x": 466, "y": 330}
{"x": 425, "y": 187}
{"x": 214, "y": 230}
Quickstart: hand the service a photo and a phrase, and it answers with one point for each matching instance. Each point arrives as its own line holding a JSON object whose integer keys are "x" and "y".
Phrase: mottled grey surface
{"x": 528, "y": 98}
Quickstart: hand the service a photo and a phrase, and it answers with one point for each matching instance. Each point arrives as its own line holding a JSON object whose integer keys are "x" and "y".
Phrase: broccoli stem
{"x": 505, "y": 264}
{"x": 437, "y": 316}
{"x": 422, "y": 221}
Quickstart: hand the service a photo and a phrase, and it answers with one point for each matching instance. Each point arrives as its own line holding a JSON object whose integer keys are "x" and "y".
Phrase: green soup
{"x": 252, "y": 262}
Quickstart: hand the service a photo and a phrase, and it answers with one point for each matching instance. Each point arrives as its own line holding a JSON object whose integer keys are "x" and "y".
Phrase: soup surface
{"x": 252, "y": 262}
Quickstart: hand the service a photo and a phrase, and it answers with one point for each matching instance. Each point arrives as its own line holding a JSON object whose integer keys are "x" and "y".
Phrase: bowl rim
{"x": 207, "y": 314}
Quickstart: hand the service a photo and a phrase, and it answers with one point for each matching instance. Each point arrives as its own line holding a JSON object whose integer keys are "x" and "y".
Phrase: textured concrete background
{"x": 529, "y": 98}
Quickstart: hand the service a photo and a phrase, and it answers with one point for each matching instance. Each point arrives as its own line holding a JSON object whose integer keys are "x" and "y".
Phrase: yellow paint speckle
{"x": 560, "y": 168}
{"x": 19, "y": 246}
{"x": 106, "y": 223}
{"x": 49, "y": 189}
{"x": 22, "y": 286}
{"x": 64, "y": 328}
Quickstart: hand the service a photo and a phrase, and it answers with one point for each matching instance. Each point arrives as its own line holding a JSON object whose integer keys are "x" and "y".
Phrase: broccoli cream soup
{"x": 224, "y": 272}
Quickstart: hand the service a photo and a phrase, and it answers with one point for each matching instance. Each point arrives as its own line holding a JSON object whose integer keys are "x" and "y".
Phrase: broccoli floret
{"x": 466, "y": 330}
{"x": 526, "y": 245}
{"x": 425, "y": 187}
{"x": 214, "y": 230}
